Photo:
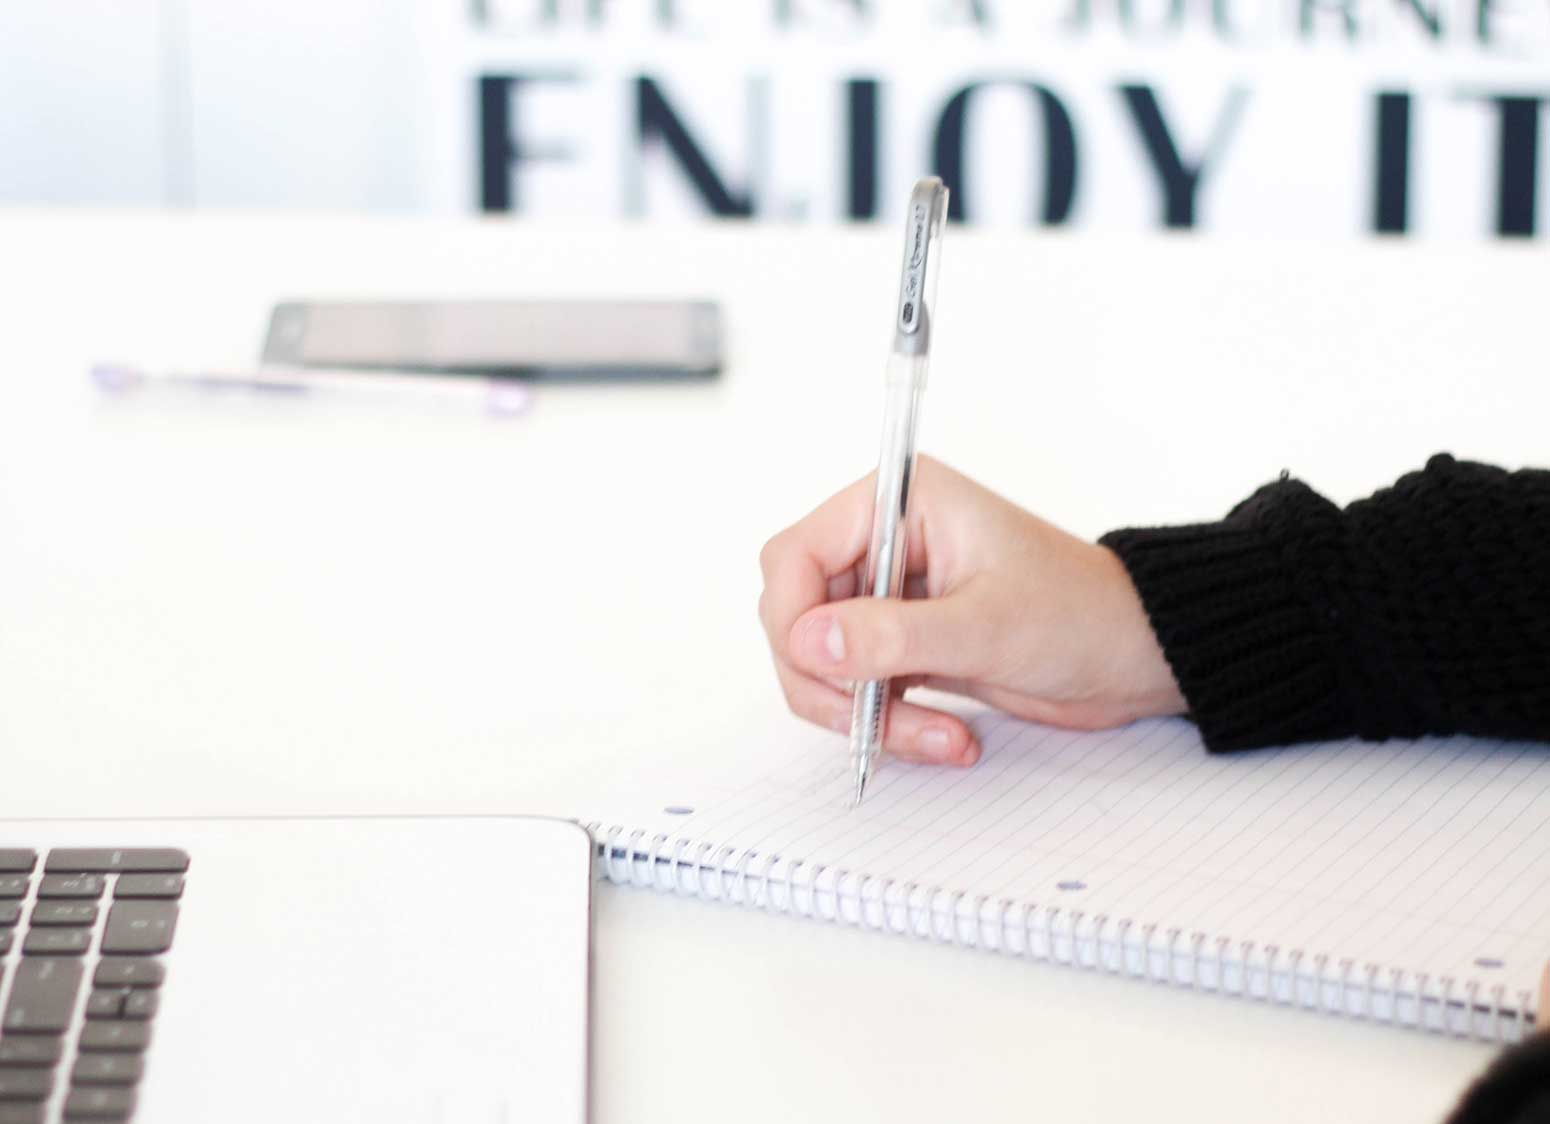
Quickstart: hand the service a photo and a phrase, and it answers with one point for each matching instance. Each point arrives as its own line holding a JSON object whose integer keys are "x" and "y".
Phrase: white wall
{"x": 373, "y": 104}
{"x": 83, "y": 118}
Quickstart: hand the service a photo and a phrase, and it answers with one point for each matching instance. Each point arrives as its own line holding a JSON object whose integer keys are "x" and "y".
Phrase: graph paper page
{"x": 1427, "y": 856}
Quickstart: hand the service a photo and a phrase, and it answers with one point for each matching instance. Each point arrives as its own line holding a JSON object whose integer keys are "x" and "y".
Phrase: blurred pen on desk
{"x": 493, "y": 396}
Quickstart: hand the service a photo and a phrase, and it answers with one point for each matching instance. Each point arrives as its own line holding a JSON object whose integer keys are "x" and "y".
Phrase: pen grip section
{"x": 895, "y": 476}
{"x": 889, "y": 546}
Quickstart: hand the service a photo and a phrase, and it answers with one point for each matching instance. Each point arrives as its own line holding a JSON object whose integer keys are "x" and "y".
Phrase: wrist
{"x": 1142, "y": 681}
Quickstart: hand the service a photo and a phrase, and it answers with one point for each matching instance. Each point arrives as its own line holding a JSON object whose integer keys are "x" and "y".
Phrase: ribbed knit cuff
{"x": 1238, "y": 627}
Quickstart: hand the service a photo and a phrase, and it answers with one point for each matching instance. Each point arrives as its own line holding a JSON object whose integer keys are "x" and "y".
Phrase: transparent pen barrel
{"x": 889, "y": 546}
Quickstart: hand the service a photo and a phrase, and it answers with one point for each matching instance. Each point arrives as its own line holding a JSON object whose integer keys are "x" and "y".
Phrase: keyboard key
{"x": 141, "y": 1005}
{"x": 57, "y": 942}
{"x": 64, "y": 913}
{"x": 13, "y": 886}
{"x": 17, "y": 1052}
{"x": 25, "y": 1084}
{"x": 21, "y": 1114}
{"x": 42, "y": 996}
{"x": 129, "y": 971}
{"x": 107, "y": 1069}
{"x": 121, "y": 1003}
{"x": 16, "y": 861}
{"x": 149, "y": 886}
{"x": 140, "y": 927}
{"x": 10, "y": 913}
{"x": 99, "y": 1104}
{"x": 70, "y": 886}
{"x": 102, "y": 1004}
{"x": 5, "y": 941}
{"x": 114, "y": 1038}
{"x": 76, "y": 860}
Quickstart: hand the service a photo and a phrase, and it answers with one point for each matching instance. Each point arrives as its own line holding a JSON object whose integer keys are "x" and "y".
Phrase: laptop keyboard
{"x": 80, "y": 933}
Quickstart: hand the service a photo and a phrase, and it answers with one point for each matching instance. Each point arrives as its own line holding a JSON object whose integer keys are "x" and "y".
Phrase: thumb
{"x": 883, "y": 638}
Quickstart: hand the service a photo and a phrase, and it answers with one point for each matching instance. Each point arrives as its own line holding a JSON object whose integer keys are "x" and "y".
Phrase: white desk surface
{"x": 246, "y": 606}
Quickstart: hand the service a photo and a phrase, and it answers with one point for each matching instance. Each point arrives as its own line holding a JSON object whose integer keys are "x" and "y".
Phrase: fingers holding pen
{"x": 821, "y": 559}
{"x": 886, "y": 638}
{"x": 914, "y": 733}
{"x": 817, "y": 564}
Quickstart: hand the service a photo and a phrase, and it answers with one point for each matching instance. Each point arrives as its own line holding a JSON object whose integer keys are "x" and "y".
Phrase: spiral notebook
{"x": 1405, "y": 881}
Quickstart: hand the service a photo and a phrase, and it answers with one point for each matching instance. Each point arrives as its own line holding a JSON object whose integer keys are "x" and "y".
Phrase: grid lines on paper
{"x": 1430, "y": 855}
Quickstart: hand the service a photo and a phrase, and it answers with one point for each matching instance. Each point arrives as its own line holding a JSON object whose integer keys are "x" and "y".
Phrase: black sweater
{"x": 1422, "y": 609}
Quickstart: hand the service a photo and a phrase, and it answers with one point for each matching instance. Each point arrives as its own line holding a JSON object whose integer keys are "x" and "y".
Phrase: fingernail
{"x": 824, "y": 640}
{"x": 935, "y": 742}
{"x": 834, "y": 642}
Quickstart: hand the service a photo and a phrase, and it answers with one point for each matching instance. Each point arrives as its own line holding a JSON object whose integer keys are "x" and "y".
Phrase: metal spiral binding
{"x": 1117, "y": 945}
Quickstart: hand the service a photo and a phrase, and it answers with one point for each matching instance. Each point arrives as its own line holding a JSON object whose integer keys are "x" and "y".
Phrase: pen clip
{"x": 923, "y": 227}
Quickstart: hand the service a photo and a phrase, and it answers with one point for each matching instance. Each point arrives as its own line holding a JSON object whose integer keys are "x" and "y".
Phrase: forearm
{"x": 1422, "y": 609}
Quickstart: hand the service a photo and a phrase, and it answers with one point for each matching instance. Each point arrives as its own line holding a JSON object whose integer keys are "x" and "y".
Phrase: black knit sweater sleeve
{"x": 1422, "y": 609}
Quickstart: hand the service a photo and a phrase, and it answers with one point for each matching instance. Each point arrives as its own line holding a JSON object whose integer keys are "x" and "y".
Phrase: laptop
{"x": 261, "y": 970}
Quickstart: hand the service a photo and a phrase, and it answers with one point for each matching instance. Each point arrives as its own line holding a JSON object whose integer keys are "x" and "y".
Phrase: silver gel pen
{"x": 905, "y": 382}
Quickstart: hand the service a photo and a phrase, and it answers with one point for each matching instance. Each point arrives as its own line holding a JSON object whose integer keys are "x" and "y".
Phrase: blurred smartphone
{"x": 548, "y": 340}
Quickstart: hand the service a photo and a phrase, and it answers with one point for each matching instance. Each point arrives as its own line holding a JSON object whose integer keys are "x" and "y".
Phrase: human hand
{"x": 999, "y": 605}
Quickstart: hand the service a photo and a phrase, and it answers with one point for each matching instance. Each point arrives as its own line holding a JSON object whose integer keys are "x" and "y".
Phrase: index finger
{"x": 829, "y": 542}
{"x": 798, "y": 563}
